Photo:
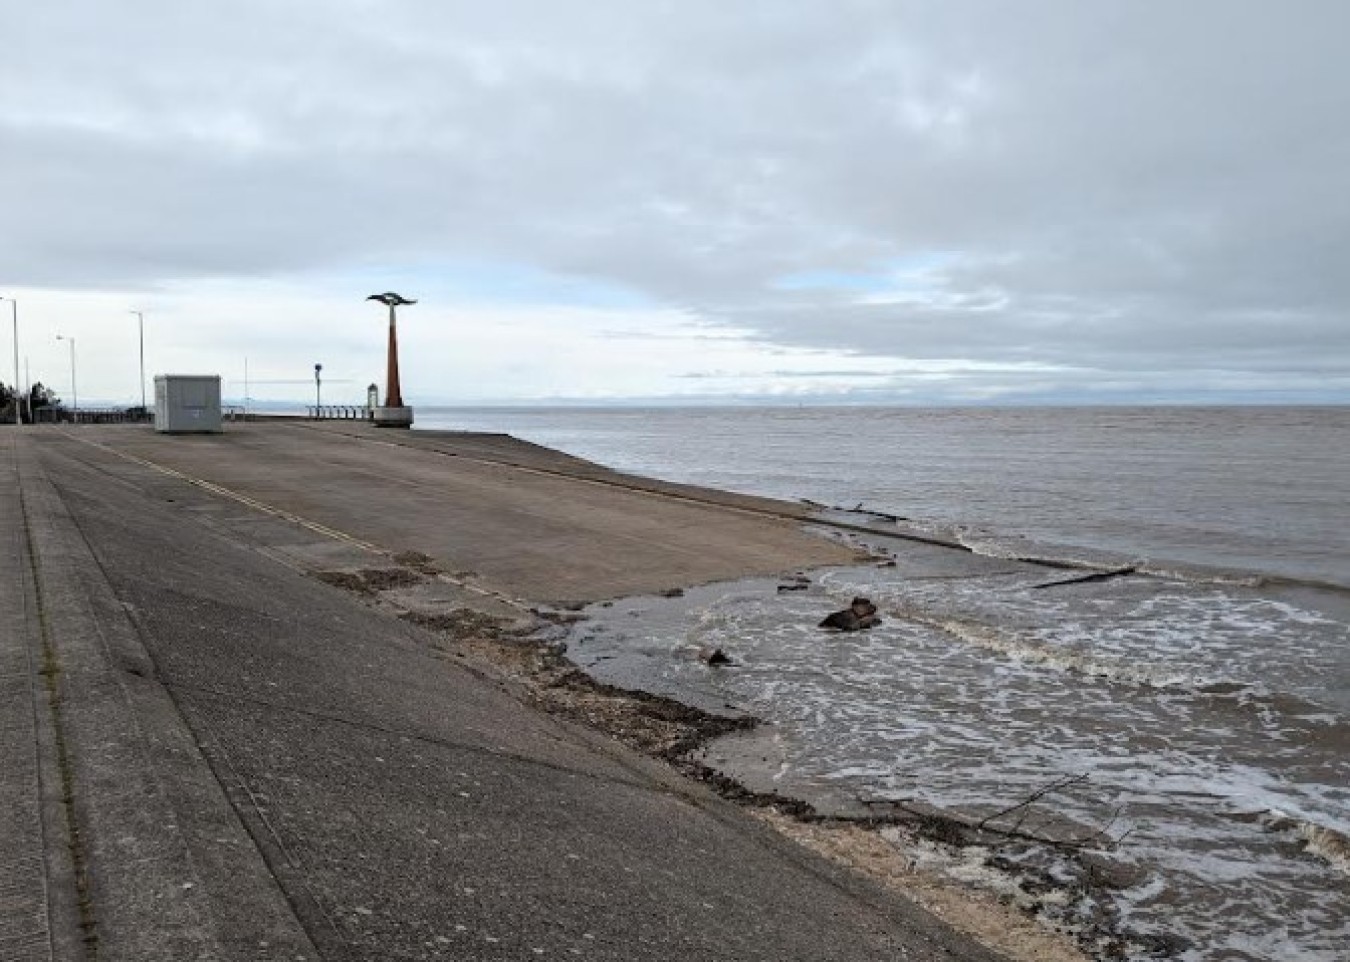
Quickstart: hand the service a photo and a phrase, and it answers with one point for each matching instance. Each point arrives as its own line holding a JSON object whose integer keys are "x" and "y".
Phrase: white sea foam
{"x": 1330, "y": 844}
{"x": 1142, "y": 632}
{"x": 977, "y": 691}
{"x": 1198, "y": 576}
{"x": 1327, "y": 843}
{"x": 1054, "y": 556}
{"x": 1021, "y": 649}
{"x": 969, "y": 864}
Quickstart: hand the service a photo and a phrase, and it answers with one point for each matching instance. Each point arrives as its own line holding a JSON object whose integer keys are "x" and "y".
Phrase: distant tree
{"x": 42, "y": 396}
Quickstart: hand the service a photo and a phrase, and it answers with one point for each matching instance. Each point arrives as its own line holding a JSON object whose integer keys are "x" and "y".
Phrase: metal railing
{"x": 228, "y": 412}
{"x": 340, "y": 412}
{"x": 64, "y": 415}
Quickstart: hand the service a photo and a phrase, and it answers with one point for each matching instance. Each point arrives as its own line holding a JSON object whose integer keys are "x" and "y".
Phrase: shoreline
{"x": 534, "y": 658}
{"x": 248, "y": 487}
{"x": 477, "y": 540}
{"x": 529, "y": 655}
{"x": 665, "y": 450}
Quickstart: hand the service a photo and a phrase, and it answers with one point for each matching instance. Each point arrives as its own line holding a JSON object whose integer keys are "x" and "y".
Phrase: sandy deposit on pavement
{"x": 977, "y": 913}
{"x": 514, "y": 651}
{"x": 525, "y": 522}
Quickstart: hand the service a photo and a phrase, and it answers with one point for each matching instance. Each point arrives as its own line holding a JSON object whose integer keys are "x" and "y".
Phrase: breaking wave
{"x": 1329, "y": 844}
{"x": 1296, "y": 716}
{"x": 1020, "y": 649}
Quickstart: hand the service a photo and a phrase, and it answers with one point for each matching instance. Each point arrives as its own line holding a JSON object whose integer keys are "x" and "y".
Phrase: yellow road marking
{"x": 318, "y": 528}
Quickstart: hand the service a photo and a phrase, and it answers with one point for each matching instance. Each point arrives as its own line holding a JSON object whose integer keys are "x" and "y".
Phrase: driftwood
{"x": 856, "y": 509}
{"x": 798, "y": 582}
{"x": 956, "y": 828}
{"x": 1085, "y": 579}
{"x": 879, "y": 515}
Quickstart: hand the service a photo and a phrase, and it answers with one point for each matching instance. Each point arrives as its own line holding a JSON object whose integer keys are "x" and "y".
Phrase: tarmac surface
{"x": 210, "y": 754}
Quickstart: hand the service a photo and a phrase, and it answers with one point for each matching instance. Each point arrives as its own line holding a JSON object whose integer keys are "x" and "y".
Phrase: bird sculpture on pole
{"x": 393, "y": 393}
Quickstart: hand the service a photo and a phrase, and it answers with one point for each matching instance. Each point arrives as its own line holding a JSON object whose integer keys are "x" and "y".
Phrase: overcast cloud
{"x": 921, "y": 201}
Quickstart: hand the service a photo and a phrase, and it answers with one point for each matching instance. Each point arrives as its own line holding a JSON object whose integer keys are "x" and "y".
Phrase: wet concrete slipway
{"x": 209, "y": 753}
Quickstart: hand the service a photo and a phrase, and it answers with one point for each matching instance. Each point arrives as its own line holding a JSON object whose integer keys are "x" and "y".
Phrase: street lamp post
{"x": 140, "y": 324}
{"x": 74, "y": 390}
{"x": 318, "y": 397}
{"x": 394, "y": 413}
{"x": 14, "y": 309}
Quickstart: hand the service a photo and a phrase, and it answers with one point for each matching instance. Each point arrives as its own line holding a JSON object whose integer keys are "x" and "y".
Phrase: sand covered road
{"x": 530, "y": 522}
{"x": 264, "y": 767}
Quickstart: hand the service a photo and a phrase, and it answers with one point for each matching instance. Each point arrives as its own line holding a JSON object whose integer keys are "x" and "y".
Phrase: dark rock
{"x": 844, "y": 620}
{"x": 714, "y": 657}
{"x": 673, "y": 593}
{"x": 857, "y": 616}
{"x": 862, "y": 607}
{"x": 795, "y": 582}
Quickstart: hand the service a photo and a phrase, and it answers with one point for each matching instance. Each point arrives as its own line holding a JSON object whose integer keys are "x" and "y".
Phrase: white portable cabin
{"x": 187, "y": 403}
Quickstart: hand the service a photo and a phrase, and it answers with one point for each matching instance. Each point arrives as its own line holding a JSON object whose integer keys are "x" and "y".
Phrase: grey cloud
{"x": 1136, "y": 187}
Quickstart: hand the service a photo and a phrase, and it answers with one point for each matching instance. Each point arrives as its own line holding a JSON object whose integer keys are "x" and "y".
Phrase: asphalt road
{"x": 531, "y": 522}
{"x": 236, "y": 761}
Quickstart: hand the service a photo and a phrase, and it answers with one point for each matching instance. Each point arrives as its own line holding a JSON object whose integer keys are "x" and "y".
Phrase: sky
{"x": 853, "y": 201}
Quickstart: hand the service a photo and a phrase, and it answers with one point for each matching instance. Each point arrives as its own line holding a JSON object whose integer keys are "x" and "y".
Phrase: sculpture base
{"x": 400, "y": 417}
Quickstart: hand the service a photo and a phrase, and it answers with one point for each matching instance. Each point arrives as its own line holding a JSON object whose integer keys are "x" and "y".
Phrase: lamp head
{"x": 390, "y": 298}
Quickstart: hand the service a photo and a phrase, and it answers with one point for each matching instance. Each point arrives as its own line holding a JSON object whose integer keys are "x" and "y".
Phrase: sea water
{"x": 1201, "y": 706}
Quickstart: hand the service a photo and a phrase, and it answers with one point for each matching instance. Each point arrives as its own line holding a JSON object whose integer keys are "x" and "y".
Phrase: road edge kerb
{"x": 141, "y": 792}
{"x": 59, "y": 756}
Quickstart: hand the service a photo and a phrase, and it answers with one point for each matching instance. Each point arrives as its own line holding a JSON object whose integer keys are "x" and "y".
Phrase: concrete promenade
{"x": 210, "y": 754}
